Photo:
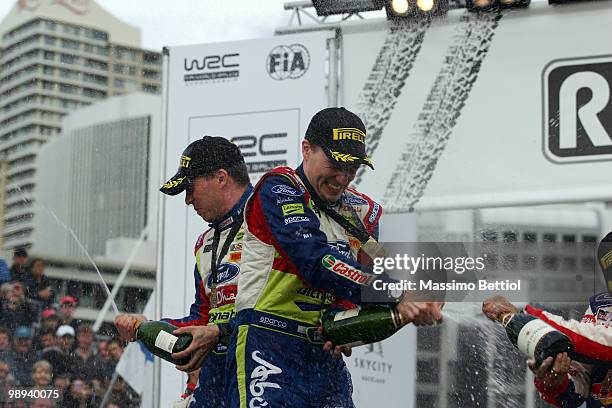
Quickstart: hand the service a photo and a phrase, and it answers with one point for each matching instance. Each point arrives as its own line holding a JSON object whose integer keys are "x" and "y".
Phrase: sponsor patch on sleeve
{"x": 282, "y": 189}
{"x": 292, "y": 220}
{"x": 374, "y": 214}
{"x": 332, "y": 264}
{"x": 293, "y": 209}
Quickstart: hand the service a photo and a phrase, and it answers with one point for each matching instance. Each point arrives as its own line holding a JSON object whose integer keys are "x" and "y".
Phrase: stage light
{"x": 416, "y": 8}
{"x": 425, "y": 5}
{"x": 330, "y": 7}
{"x": 494, "y": 5}
{"x": 400, "y": 7}
{"x": 478, "y": 5}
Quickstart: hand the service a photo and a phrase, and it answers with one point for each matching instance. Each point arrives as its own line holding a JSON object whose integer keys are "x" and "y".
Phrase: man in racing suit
{"x": 213, "y": 174}
{"x": 298, "y": 260}
{"x": 588, "y": 378}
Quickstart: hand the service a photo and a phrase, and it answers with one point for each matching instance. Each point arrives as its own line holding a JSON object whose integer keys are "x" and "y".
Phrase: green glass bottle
{"x": 536, "y": 338}
{"x": 158, "y": 339}
{"x": 355, "y": 327}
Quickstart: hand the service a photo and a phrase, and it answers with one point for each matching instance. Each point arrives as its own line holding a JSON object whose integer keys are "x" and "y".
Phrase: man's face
{"x": 67, "y": 310}
{"x": 38, "y": 268}
{"x": 18, "y": 290}
{"x": 22, "y": 345}
{"x": 47, "y": 340}
{"x": 4, "y": 370}
{"x": 103, "y": 349}
{"x": 115, "y": 351}
{"x": 61, "y": 383}
{"x": 65, "y": 342}
{"x": 42, "y": 376}
{"x": 20, "y": 260}
{"x": 204, "y": 193}
{"x": 328, "y": 180}
{"x": 85, "y": 338}
{"x": 4, "y": 342}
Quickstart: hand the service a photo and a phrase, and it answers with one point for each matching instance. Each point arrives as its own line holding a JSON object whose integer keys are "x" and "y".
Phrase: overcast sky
{"x": 175, "y": 22}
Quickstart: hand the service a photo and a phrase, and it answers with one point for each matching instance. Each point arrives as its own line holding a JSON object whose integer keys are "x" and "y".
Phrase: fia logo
{"x": 578, "y": 110}
{"x": 288, "y": 62}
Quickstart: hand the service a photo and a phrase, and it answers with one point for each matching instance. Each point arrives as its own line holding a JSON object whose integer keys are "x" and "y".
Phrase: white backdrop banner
{"x": 260, "y": 94}
{"x": 486, "y": 109}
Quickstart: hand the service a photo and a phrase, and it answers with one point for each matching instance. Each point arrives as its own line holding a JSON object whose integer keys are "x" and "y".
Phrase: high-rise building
{"x": 100, "y": 178}
{"x": 57, "y": 56}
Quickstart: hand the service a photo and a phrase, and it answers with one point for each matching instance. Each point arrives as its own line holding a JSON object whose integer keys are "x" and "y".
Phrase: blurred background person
{"x": 19, "y": 268}
{"x": 67, "y": 308}
{"x": 79, "y": 395}
{"x": 21, "y": 358}
{"x": 16, "y": 310}
{"x": 115, "y": 350}
{"x": 84, "y": 358}
{"x": 42, "y": 374}
{"x": 61, "y": 356}
{"x": 5, "y": 342}
{"x": 49, "y": 320}
{"x": 38, "y": 286}
{"x": 45, "y": 339}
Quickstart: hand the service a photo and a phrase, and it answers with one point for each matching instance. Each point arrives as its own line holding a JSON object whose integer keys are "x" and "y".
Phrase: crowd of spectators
{"x": 43, "y": 345}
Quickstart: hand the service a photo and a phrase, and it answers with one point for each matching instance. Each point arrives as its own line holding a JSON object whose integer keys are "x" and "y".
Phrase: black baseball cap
{"x": 202, "y": 157}
{"x": 341, "y": 134}
{"x": 604, "y": 255}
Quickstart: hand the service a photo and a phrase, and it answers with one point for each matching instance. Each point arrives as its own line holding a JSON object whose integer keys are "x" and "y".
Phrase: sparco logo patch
{"x": 375, "y": 211}
{"x": 341, "y": 268}
{"x": 288, "y": 62}
{"x": 285, "y": 190}
{"x": 292, "y": 220}
{"x": 578, "y": 109}
{"x": 268, "y": 321}
{"x": 212, "y": 68}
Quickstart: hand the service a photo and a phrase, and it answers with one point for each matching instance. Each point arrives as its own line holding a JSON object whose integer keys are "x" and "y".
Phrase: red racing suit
{"x": 590, "y": 376}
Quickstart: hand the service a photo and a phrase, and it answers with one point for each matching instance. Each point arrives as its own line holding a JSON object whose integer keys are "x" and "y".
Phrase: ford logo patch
{"x": 225, "y": 273}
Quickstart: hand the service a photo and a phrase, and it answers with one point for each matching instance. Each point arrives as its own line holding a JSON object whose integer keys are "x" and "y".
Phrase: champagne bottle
{"x": 534, "y": 337}
{"x": 158, "y": 339}
{"x": 355, "y": 327}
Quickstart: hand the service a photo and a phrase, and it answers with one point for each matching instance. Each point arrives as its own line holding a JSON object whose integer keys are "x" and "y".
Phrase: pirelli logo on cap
{"x": 185, "y": 160}
{"x": 606, "y": 260}
{"x": 349, "y": 134}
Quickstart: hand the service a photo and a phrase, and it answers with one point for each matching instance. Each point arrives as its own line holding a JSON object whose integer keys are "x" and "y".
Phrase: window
{"x": 549, "y": 237}
{"x": 509, "y": 236}
{"x": 150, "y": 88}
{"x": 70, "y": 44}
{"x": 489, "y": 235}
{"x": 68, "y": 59}
{"x": 530, "y": 237}
{"x": 118, "y": 53}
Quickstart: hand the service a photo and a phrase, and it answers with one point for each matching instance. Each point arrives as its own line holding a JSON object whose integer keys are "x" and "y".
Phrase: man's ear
{"x": 306, "y": 148}
{"x": 222, "y": 176}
